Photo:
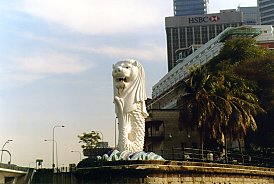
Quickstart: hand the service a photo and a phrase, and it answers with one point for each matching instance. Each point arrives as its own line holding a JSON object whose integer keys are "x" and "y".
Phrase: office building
{"x": 266, "y": 10}
{"x": 250, "y": 14}
{"x": 189, "y": 7}
{"x": 185, "y": 34}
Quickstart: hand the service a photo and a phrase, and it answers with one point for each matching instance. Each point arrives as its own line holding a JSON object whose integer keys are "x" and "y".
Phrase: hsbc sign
{"x": 193, "y": 20}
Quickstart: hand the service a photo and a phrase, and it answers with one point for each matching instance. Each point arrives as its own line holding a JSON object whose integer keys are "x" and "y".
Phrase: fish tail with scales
{"x": 133, "y": 133}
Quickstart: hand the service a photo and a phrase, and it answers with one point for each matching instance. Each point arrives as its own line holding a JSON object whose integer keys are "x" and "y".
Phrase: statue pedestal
{"x": 164, "y": 172}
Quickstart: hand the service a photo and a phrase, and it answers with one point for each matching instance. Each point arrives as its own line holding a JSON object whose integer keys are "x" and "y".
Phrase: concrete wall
{"x": 47, "y": 176}
{"x": 12, "y": 176}
{"x": 171, "y": 172}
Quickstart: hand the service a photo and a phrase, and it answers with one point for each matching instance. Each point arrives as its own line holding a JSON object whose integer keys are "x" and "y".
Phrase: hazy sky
{"x": 56, "y": 59}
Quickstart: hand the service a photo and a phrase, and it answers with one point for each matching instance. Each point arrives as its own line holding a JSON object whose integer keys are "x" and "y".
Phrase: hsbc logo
{"x": 214, "y": 18}
{"x": 193, "y": 20}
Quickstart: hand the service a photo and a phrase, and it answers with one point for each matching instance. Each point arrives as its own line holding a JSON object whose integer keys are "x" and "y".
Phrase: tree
{"x": 195, "y": 101}
{"x": 240, "y": 49}
{"x": 239, "y": 106}
{"x": 260, "y": 71}
{"x": 219, "y": 105}
{"x": 256, "y": 64}
{"x": 90, "y": 139}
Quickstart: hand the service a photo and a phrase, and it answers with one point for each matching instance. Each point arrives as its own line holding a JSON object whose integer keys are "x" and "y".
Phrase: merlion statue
{"x": 129, "y": 99}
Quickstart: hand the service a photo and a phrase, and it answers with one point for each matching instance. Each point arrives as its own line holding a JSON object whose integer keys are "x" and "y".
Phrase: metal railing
{"x": 229, "y": 157}
{"x": 13, "y": 167}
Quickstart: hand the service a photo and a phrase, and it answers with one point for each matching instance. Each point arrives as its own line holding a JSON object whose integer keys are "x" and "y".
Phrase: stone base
{"x": 165, "y": 172}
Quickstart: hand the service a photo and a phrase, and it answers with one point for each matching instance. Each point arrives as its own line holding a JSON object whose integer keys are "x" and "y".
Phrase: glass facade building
{"x": 266, "y": 9}
{"x": 251, "y": 15}
{"x": 185, "y": 34}
{"x": 189, "y": 7}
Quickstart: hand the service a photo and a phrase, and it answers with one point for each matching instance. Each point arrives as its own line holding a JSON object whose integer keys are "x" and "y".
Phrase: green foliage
{"x": 90, "y": 139}
{"x": 260, "y": 71}
{"x": 240, "y": 49}
{"x": 195, "y": 102}
{"x": 218, "y": 104}
{"x": 238, "y": 103}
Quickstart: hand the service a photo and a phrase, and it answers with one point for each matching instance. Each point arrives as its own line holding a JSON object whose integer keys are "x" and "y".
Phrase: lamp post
{"x": 56, "y": 153}
{"x": 57, "y": 126}
{"x": 102, "y": 137}
{"x": 8, "y": 141}
{"x": 79, "y": 154}
{"x": 115, "y": 132}
{"x": 8, "y": 153}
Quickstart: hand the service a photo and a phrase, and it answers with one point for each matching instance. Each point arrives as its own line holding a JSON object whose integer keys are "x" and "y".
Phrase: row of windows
{"x": 267, "y": 19}
{"x": 268, "y": 23}
{"x": 184, "y": 13}
{"x": 186, "y": 36}
{"x": 188, "y": 2}
{"x": 268, "y": 13}
{"x": 196, "y": 6}
{"x": 267, "y": 8}
{"x": 186, "y": 7}
{"x": 265, "y": 3}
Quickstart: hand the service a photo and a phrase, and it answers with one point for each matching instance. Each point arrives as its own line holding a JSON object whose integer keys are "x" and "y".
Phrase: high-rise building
{"x": 189, "y": 7}
{"x": 251, "y": 15}
{"x": 185, "y": 34}
{"x": 266, "y": 9}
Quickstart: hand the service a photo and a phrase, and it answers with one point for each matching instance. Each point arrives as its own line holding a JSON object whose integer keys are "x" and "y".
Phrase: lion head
{"x": 129, "y": 83}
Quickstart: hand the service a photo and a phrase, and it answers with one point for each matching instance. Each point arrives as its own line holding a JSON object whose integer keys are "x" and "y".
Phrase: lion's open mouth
{"x": 122, "y": 79}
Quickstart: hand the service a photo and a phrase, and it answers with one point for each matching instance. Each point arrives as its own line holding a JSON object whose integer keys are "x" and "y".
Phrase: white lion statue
{"x": 129, "y": 98}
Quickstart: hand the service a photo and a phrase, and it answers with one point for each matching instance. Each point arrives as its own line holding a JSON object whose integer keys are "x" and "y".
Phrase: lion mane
{"x": 133, "y": 92}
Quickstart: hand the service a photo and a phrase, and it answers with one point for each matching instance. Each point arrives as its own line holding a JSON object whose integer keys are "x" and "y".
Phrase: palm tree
{"x": 219, "y": 105}
{"x": 195, "y": 101}
{"x": 239, "y": 106}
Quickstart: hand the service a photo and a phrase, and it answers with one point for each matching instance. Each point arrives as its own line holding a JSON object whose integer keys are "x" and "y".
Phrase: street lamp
{"x": 56, "y": 153}
{"x": 79, "y": 154}
{"x": 115, "y": 131}
{"x": 57, "y": 126}
{"x": 8, "y": 141}
{"x": 9, "y": 154}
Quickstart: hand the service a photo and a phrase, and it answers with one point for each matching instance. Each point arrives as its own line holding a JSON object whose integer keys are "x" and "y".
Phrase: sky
{"x": 56, "y": 60}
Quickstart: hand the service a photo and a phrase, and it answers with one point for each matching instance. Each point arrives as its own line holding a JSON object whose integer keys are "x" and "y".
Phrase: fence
{"x": 13, "y": 167}
{"x": 230, "y": 157}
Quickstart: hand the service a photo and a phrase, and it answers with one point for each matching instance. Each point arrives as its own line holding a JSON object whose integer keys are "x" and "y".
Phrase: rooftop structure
{"x": 189, "y": 7}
